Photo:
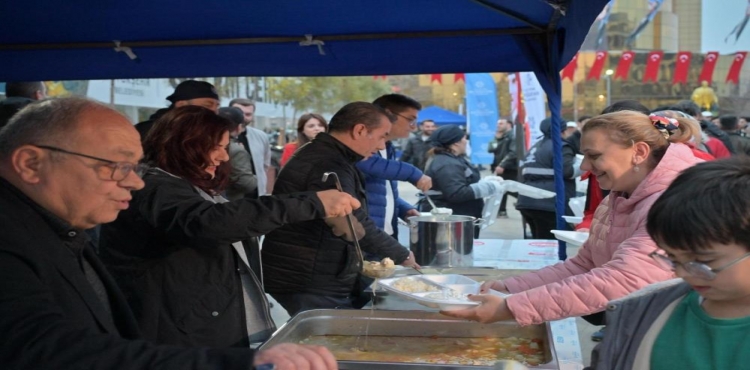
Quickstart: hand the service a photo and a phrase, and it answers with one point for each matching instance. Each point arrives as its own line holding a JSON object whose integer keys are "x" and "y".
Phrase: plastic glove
{"x": 484, "y": 188}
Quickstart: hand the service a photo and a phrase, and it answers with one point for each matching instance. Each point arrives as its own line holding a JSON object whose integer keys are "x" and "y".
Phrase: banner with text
{"x": 135, "y": 92}
{"x": 534, "y": 105}
{"x": 482, "y": 114}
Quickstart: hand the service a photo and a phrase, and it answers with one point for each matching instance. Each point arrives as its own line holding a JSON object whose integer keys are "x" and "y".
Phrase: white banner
{"x": 534, "y": 104}
{"x": 134, "y": 92}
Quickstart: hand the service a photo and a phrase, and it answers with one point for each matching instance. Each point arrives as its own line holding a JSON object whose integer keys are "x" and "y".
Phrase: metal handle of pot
{"x": 478, "y": 221}
{"x": 349, "y": 220}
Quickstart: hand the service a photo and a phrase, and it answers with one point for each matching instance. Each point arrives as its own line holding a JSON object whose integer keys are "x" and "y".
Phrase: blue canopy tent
{"x": 86, "y": 39}
{"x": 441, "y": 116}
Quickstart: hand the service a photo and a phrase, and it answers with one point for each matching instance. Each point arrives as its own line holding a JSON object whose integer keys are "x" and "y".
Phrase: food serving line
{"x": 395, "y": 316}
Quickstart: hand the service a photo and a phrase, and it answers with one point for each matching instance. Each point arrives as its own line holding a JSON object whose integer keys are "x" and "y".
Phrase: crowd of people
{"x": 176, "y": 277}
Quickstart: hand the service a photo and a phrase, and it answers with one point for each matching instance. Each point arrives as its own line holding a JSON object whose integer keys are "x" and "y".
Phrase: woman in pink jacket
{"x": 635, "y": 157}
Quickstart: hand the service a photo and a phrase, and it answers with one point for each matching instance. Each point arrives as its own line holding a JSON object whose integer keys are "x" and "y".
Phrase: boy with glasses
{"x": 702, "y": 226}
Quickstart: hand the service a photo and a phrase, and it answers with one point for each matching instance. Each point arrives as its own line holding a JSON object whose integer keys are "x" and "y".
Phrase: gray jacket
{"x": 242, "y": 180}
{"x": 628, "y": 320}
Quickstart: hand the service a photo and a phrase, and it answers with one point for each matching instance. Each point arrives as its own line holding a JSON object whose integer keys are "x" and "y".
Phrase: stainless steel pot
{"x": 445, "y": 241}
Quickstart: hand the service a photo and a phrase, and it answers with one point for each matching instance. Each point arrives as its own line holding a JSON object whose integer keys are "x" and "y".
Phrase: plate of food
{"x": 445, "y": 292}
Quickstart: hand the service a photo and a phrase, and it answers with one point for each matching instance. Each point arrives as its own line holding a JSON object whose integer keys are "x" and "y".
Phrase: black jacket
{"x": 537, "y": 171}
{"x": 145, "y": 126}
{"x": 713, "y": 131}
{"x": 415, "y": 152}
{"x": 740, "y": 143}
{"x": 10, "y": 106}
{"x": 51, "y": 318}
{"x": 451, "y": 178}
{"x": 306, "y": 257}
{"x": 171, "y": 253}
{"x": 504, "y": 151}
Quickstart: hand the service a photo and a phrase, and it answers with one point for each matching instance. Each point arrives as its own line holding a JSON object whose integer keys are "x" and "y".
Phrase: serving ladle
{"x": 370, "y": 269}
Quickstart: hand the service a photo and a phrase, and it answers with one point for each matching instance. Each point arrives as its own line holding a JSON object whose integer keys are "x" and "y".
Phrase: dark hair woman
{"x": 309, "y": 125}
{"x": 186, "y": 258}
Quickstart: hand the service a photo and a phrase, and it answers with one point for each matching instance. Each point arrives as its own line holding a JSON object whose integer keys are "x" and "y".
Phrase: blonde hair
{"x": 629, "y": 127}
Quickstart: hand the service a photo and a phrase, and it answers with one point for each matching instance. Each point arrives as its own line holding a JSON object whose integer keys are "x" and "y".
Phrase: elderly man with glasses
{"x": 67, "y": 165}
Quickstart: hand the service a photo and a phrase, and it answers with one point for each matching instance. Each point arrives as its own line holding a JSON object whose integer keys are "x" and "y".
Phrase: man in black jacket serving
{"x": 306, "y": 265}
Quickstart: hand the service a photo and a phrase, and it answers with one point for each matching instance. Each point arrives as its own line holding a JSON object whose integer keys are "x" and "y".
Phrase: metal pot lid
{"x": 442, "y": 218}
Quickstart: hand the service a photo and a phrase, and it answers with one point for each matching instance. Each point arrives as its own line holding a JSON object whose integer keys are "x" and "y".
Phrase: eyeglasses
{"x": 697, "y": 269}
{"x": 412, "y": 121}
{"x": 118, "y": 171}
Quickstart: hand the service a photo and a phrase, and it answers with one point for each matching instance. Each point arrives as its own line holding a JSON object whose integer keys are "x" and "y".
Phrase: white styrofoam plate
{"x": 573, "y": 219}
{"x": 451, "y": 296}
{"x": 574, "y": 238}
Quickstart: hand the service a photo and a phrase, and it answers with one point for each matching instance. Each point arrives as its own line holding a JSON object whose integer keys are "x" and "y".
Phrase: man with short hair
{"x": 67, "y": 165}
{"x": 730, "y": 125}
{"x": 190, "y": 92}
{"x": 243, "y": 181}
{"x": 19, "y": 95}
{"x": 417, "y": 147}
{"x": 718, "y": 142}
{"x": 505, "y": 160}
{"x": 256, "y": 143}
{"x": 383, "y": 172}
{"x": 315, "y": 264}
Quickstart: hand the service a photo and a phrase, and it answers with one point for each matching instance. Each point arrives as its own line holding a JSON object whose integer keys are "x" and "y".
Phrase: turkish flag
{"x": 624, "y": 66}
{"x": 436, "y": 77}
{"x": 681, "y": 68}
{"x": 709, "y": 62}
{"x": 652, "y": 66}
{"x": 596, "y": 69}
{"x": 734, "y": 70}
{"x": 570, "y": 70}
{"x": 459, "y": 77}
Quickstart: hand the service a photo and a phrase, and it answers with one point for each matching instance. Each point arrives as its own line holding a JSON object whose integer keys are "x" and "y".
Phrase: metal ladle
{"x": 437, "y": 211}
{"x": 380, "y": 273}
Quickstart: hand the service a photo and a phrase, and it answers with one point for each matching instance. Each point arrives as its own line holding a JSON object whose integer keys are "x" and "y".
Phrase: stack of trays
{"x": 444, "y": 292}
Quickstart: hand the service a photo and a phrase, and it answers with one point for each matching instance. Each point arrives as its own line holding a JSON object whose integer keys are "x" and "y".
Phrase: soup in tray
{"x": 433, "y": 350}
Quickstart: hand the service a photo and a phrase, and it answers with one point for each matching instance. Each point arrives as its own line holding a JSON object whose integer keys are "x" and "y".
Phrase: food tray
{"x": 406, "y": 324}
{"x": 445, "y": 292}
{"x": 574, "y": 238}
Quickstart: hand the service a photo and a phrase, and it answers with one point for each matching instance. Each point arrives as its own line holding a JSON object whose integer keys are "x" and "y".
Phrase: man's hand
{"x": 496, "y": 285}
{"x": 288, "y": 356}
{"x": 336, "y": 203}
{"x": 424, "y": 183}
{"x": 499, "y": 170}
{"x": 410, "y": 262}
{"x": 491, "y": 309}
{"x": 412, "y": 212}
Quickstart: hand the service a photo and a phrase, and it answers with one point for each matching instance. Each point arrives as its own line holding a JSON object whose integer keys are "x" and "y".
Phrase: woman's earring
{"x": 636, "y": 168}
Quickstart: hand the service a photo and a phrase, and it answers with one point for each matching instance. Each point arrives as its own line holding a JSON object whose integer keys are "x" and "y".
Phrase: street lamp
{"x": 608, "y": 75}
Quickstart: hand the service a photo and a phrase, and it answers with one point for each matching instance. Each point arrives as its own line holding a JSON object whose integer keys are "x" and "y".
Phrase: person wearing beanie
{"x": 190, "y": 92}
{"x": 456, "y": 183}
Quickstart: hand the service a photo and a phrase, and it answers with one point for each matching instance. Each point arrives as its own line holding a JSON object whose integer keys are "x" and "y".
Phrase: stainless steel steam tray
{"x": 405, "y": 324}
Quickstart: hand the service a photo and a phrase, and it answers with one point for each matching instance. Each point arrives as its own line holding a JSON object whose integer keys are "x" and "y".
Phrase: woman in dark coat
{"x": 188, "y": 260}
{"x": 456, "y": 183}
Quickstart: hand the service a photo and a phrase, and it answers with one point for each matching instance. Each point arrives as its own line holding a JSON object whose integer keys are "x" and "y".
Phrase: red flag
{"x": 709, "y": 63}
{"x": 459, "y": 77}
{"x": 652, "y": 66}
{"x": 596, "y": 69}
{"x": 623, "y": 67}
{"x": 436, "y": 77}
{"x": 682, "y": 65}
{"x": 570, "y": 70}
{"x": 734, "y": 70}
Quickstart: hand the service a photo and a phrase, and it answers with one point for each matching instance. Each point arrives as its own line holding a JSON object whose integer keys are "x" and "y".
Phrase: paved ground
{"x": 509, "y": 228}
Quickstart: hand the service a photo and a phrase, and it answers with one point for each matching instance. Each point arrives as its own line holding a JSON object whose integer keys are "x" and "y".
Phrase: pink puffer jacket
{"x": 614, "y": 260}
